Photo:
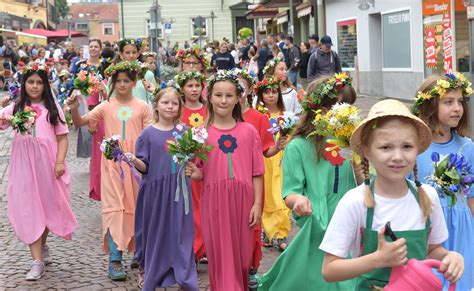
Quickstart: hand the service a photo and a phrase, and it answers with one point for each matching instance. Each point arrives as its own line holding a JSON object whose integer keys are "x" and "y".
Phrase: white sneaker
{"x": 36, "y": 271}
{"x": 45, "y": 255}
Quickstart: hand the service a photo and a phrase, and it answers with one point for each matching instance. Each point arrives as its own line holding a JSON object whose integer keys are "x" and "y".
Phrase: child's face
{"x": 34, "y": 88}
{"x": 168, "y": 107}
{"x": 124, "y": 84}
{"x": 450, "y": 109}
{"x": 130, "y": 53}
{"x": 392, "y": 149}
{"x": 150, "y": 61}
{"x": 192, "y": 90}
{"x": 270, "y": 97}
{"x": 281, "y": 71}
{"x": 224, "y": 98}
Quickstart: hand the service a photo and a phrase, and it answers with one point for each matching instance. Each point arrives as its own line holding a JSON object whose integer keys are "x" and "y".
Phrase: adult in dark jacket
{"x": 324, "y": 61}
{"x": 262, "y": 57}
{"x": 294, "y": 59}
{"x": 305, "y": 54}
{"x": 223, "y": 60}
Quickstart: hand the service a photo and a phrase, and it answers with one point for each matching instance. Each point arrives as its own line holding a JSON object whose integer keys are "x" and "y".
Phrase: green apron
{"x": 416, "y": 240}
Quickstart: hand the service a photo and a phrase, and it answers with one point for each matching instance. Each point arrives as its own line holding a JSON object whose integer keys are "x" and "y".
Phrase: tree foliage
{"x": 61, "y": 7}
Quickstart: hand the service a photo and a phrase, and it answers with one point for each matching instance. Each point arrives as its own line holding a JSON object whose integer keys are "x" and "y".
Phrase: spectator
{"x": 277, "y": 53}
{"x": 294, "y": 59}
{"x": 186, "y": 44}
{"x": 283, "y": 48}
{"x": 234, "y": 54}
{"x": 223, "y": 60}
{"x": 22, "y": 51}
{"x": 262, "y": 57}
{"x": 244, "y": 52}
{"x": 70, "y": 52}
{"x": 324, "y": 61}
{"x": 305, "y": 54}
{"x": 313, "y": 42}
{"x": 41, "y": 56}
{"x": 252, "y": 67}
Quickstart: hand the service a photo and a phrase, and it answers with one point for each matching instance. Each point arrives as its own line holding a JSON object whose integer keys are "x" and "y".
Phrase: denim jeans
{"x": 293, "y": 76}
{"x": 114, "y": 254}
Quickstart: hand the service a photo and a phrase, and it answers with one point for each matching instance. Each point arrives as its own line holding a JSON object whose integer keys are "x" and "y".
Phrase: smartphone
{"x": 388, "y": 232}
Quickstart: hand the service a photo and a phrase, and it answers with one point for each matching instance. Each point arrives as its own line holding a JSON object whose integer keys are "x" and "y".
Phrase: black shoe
{"x": 134, "y": 264}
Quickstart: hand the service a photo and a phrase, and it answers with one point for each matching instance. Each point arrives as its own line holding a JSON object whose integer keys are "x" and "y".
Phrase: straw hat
{"x": 390, "y": 107}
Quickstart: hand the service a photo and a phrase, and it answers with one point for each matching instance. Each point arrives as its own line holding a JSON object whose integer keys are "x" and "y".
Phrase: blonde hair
{"x": 161, "y": 93}
{"x": 367, "y": 133}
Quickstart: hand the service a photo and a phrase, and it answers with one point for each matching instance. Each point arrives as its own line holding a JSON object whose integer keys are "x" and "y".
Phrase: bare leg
{"x": 35, "y": 249}
{"x": 44, "y": 236}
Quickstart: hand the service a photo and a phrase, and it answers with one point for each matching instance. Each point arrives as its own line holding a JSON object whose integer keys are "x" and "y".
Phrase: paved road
{"x": 80, "y": 263}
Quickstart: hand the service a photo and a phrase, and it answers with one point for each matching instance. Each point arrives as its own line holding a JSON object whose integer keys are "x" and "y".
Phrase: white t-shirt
{"x": 343, "y": 235}
{"x": 290, "y": 100}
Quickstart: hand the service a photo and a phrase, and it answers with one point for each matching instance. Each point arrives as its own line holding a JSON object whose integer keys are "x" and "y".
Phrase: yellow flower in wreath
{"x": 196, "y": 120}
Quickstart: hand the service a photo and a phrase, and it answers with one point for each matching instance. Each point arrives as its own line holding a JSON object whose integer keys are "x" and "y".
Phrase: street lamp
{"x": 67, "y": 19}
{"x": 212, "y": 16}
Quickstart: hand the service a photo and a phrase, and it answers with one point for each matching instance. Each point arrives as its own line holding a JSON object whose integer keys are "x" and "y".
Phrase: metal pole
{"x": 123, "y": 22}
{"x": 212, "y": 23}
{"x": 157, "y": 41}
{"x": 291, "y": 28}
{"x": 69, "y": 30}
{"x": 156, "y": 26}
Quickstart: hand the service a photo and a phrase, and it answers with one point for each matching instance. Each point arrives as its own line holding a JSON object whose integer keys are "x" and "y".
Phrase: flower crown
{"x": 37, "y": 67}
{"x": 136, "y": 42}
{"x": 329, "y": 89}
{"x": 125, "y": 66}
{"x": 183, "y": 77}
{"x": 149, "y": 54}
{"x": 224, "y": 75}
{"x": 164, "y": 85}
{"x": 250, "y": 77}
{"x": 272, "y": 63}
{"x": 271, "y": 83}
{"x": 186, "y": 53}
{"x": 450, "y": 81}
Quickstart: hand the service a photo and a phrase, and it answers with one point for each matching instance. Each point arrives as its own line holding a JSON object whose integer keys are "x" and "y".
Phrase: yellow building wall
{"x": 24, "y": 10}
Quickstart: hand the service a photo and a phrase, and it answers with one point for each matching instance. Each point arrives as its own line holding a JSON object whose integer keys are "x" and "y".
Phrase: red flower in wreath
{"x": 227, "y": 143}
{"x": 265, "y": 82}
{"x": 333, "y": 156}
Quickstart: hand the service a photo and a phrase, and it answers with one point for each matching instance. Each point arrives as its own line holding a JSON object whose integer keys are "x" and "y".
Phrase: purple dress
{"x": 164, "y": 233}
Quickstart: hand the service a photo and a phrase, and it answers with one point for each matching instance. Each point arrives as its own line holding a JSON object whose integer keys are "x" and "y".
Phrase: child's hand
{"x": 72, "y": 102}
{"x": 192, "y": 171}
{"x": 255, "y": 215}
{"x": 391, "y": 254}
{"x": 92, "y": 129}
{"x": 59, "y": 170}
{"x": 281, "y": 143}
{"x": 148, "y": 86}
{"x": 302, "y": 206}
{"x": 452, "y": 266}
{"x": 131, "y": 157}
{"x": 7, "y": 118}
{"x": 5, "y": 101}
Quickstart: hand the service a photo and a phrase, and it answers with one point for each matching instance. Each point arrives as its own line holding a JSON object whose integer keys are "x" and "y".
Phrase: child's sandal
{"x": 281, "y": 244}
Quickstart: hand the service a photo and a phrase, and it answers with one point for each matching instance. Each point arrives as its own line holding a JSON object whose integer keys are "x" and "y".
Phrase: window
{"x": 108, "y": 28}
{"x": 347, "y": 42}
{"x": 396, "y": 35}
{"x": 199, "y": 26}
{"x": 81, "y": 26}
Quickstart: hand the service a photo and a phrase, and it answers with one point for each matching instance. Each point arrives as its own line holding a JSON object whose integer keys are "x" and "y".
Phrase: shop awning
{"x": 262, "y": 12}
{"x": 303, "y": 9}
{"x": 282, "y": 17}
{"x": 280, "y": 3}
{"x": 62, "y": 33}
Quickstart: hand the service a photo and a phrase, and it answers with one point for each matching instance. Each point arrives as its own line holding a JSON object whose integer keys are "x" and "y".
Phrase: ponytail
{"x": 369, "y": 200}
{"x": 425, "y": 201}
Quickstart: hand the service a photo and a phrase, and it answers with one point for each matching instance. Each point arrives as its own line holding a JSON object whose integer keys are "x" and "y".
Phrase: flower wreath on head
{"x": 225, "y": 75}
{"x": 183, "y": 77}
{"x": 329, "y": 89}
{"x": 451, "y": 81}
{"x": 271, "y": 64}
{"x": 249, "y": 77}
{"x": 149, "y": 54}
{"x": 164, "y": 85}
{"x": 271, "y": 83}
{"x": 124, "y": 66}
{"x": 136, "y": 42}
{"x": 37, "y": 67}
{"x": 198, "y": 53}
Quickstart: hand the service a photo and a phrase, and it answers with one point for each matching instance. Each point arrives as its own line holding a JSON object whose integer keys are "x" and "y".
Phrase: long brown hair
{"x": 280, "y": 103}
{"x": 130, "y": 74}
{"x": 429, "y": 109}
{"x": 236, "y": 112}
{"x": 271, "y": 72}
{"x": 156, "y": 115}
{"x": 346, "y": 94}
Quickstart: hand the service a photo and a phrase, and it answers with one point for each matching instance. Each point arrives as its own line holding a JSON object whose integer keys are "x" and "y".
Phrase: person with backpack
{"x": 294, "y": 56}
{"x": 324, "y": 61}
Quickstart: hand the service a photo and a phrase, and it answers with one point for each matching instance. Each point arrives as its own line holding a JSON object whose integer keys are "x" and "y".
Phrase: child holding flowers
{"x": 441, "y": 102}
{"x": 275, "y": 216}
{"x": 39, "y": 189}
{"x": 164, "y": 231}
{"x": 127, "y": 116}
{"x": 390, "y": 138}
{"x": 231, "y": 197}
{"x": 314, "y": 180}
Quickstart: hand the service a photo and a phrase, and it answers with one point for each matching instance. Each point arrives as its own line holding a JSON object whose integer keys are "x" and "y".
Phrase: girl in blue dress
{"x": 441, "y": 102}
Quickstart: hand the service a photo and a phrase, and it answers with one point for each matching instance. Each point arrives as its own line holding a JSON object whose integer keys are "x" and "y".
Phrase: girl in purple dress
{"x": 164, "y": 232}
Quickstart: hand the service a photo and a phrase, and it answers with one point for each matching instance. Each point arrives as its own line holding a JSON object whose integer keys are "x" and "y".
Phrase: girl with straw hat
{"x": 390, "y": 138}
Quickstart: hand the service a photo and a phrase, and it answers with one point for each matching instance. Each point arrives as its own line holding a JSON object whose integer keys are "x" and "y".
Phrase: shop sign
{"x": 430, "y": 45}
{"x": 447, "y": 43}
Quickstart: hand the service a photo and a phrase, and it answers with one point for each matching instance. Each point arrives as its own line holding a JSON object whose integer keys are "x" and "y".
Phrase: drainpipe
{"x": 321, "y": 27}
{"x": 123, "y": 23}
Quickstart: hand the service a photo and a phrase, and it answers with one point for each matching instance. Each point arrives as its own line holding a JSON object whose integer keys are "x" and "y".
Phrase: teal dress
{"x": 324, "y": 182}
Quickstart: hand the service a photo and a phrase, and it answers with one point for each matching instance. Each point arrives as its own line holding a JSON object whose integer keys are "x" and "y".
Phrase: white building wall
{"x": 373, "y": 79}
{"x": 135, "y": 12}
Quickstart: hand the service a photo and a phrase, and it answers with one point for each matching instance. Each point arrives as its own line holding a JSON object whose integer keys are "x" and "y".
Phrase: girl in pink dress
{"x": 39, "y": 188}
{"x": 127, "y": 116}
{"x": 231, "y": 198}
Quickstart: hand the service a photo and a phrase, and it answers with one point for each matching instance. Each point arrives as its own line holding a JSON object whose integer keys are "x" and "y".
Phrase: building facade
{"x": 25, "y": 14}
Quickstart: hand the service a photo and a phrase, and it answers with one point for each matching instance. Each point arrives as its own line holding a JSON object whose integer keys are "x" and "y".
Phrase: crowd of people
{"x": 222, "y": 211}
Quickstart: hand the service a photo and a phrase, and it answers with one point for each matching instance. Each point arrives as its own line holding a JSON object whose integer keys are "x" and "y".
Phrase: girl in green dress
{"x": 313, "y": 184}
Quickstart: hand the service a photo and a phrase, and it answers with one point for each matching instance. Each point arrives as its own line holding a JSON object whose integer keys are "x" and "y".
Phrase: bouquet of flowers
{"x": 187, "y": 144}
{"x": 260, "y": 107}
{"x": 13, "y": 89}
{"x": 87, "y": 81}
{"x": 24, "y": 121}
{"x": 451, "y": 175}
{"x": 112, "y": 150}
{"x": 285, "y": 123}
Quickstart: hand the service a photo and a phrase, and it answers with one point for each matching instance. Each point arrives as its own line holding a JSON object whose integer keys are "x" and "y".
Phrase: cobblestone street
{"x": 81, "y": 262}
